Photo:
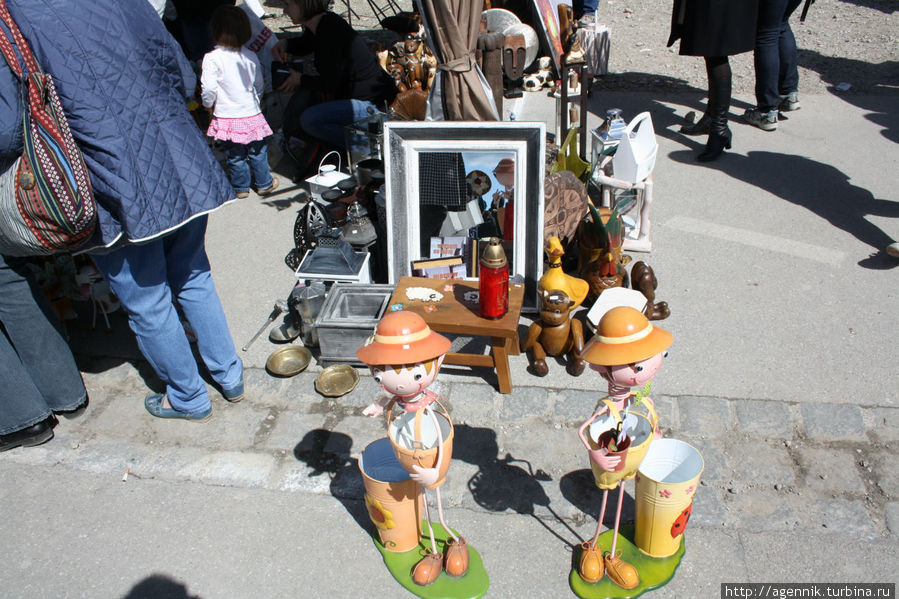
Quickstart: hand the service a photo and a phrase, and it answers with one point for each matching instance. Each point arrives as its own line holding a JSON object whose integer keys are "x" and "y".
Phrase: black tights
{"x": 718, "y": 71}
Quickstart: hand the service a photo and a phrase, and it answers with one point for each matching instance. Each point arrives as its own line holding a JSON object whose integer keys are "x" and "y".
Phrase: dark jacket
{"x": 121, "y": 78}
{"x": 348, "y": 69}
{"x": 714, "y": 27}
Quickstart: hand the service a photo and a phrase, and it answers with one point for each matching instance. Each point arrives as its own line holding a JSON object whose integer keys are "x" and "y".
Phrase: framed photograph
{"x": 422, "y": 162}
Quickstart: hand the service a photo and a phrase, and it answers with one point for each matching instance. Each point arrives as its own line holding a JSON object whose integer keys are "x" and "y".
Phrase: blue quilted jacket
{"x": 122, "y": 81}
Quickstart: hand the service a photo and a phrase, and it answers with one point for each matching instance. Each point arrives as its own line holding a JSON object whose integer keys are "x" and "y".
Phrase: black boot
{"x": 701, "y": 127}
{"x": 714, "y": 147}
{"x": 720, "y": 136}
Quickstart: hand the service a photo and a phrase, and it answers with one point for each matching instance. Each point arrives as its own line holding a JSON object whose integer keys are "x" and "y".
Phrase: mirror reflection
{"x": 467, "y": 194}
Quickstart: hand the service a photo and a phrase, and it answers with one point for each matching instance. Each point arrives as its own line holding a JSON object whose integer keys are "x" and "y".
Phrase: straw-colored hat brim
{"x": 402, "y": 337}
{"x": 613, "y": 354}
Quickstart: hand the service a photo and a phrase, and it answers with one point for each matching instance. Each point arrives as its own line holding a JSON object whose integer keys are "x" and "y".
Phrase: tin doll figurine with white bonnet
{"x": 404, "y": 356}
{"x": 627, "y": 351}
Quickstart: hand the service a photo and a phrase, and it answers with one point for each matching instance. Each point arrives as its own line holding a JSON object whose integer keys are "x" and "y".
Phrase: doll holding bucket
{"x": 404, "y": 356}
{"x": 627, "y": 351}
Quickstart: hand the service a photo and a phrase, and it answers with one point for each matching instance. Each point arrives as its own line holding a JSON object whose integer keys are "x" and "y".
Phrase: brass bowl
{"x": 288, "y": 361}
{"x": 337, "y": 380}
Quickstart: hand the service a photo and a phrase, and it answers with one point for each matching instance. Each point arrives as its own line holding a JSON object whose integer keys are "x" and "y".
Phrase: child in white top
{"x": 232, "y": 86}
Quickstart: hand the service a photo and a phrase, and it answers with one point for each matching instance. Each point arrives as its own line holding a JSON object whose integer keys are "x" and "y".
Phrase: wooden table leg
{"x": 501, "y": 363}
{"x": 514, "y": 345}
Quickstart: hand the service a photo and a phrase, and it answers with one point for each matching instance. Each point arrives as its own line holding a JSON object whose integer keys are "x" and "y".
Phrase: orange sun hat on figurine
{"x": 402, "y": 337}
{"x": 624, "y": 336}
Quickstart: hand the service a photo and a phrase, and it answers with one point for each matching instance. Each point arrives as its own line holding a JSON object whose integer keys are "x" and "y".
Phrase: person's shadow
{"x": 505, "y": 483}
{"x": 817, "y": 187}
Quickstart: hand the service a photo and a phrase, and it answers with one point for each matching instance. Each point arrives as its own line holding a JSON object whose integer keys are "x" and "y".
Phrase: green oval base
{"x": 471, "y": 586}
{"x": 654, "y": 572}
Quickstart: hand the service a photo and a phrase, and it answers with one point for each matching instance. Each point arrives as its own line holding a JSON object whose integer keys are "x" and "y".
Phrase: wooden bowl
{"x": 288, "y": 361}
{"x": 337, "y": 380}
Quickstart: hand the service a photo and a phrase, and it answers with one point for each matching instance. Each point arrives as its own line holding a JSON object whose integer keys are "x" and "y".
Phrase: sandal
{"x": 155, "y": 405}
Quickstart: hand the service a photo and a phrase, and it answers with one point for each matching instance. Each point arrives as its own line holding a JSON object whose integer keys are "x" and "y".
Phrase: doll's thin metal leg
{"x": 440, "y": 515}
{"x": 618, "y": 516}
{"x": 602, "y": 513}
{"x": 428, "y": 520}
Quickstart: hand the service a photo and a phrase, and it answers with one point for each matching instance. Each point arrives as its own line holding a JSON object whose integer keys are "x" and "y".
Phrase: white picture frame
{"x": 404, "y": 141}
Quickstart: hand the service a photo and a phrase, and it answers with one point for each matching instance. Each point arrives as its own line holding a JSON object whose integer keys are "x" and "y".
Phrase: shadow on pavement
{"x": 501, "y": 484}
{"x": 579, "y": 488}
{"x": 157, "y": 586}
{"x": 885, "y": 77}
{"x": 820, "y": 188}
{"x": 328, "y": 453}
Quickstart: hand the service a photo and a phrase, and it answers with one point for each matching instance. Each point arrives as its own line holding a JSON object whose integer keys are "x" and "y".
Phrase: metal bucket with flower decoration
{"x": 393, "y": 500}
{"x": 666, "y": 483}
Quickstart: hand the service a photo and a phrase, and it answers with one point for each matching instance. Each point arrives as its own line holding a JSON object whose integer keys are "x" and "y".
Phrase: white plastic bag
{"x": 636, "y": 154}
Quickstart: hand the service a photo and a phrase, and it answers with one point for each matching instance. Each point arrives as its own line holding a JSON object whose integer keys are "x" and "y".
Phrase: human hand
{"x": 279, "y": 51}
{"x": 426, "y": 477}
{"x": 601, "y": 458}
{"x": 291, "y": 83}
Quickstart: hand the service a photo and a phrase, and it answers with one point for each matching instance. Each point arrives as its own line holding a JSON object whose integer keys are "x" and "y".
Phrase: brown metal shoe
{"x": 428, "y": 569}
{"x": 589, "y": 565}
{"x": 456, "y": 557}
{"x": 620, "y": 572}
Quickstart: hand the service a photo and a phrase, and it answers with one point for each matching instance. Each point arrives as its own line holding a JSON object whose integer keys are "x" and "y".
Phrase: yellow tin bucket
{"x": 393, "y": 500}
{"x": 666, "y": 482}
{"x": 414, "y": 439}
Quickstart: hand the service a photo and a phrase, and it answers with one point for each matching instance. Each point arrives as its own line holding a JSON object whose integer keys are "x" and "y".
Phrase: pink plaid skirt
{"x": 241, "y": 130}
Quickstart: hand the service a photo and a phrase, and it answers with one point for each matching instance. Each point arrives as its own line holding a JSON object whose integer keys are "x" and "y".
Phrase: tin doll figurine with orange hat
{"x": 404, "y": 356}
{"x": 627, "y": 351}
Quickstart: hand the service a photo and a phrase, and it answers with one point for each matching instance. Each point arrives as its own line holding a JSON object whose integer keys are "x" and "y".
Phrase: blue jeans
{"x": 147, "y": 278}
{"x": 248, "y": 163}
{"x": 326, "y": 121}
{"x": 584, "y": 7}
{"x": 776, "y": 60}
{"x": 37, "y": 370}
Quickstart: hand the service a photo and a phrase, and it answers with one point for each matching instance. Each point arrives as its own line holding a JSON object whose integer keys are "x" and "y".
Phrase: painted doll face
{"x": 632, "y": 375}
{"x": 405, "y": 381}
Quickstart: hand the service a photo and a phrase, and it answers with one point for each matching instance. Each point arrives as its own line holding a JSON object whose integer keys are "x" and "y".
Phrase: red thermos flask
{"x": 493, "y": 296}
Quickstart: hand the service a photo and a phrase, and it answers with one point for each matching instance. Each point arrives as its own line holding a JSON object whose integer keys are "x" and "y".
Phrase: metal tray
{"x": 337, "y": 380}
{"x": 288, "y": 361}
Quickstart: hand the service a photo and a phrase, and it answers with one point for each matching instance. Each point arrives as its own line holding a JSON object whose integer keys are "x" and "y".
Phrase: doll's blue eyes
{"x": 638, "y": 369}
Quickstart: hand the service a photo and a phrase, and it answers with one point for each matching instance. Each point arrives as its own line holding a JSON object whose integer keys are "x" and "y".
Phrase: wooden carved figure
{"x": 627, "y": 351}
{"x": 601, "y": 261}
{"x": 556, "y": 334}
{"x": 555, "y": 279}
{"x": 404, "y": 356}
{"x": 643, "y": 279}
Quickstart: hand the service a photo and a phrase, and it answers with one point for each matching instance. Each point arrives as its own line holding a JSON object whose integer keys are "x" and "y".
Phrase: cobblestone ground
{"x": 769, "y": 465}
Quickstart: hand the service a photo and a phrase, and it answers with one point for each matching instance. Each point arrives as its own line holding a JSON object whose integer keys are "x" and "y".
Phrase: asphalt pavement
{"x": 782, "y": 373}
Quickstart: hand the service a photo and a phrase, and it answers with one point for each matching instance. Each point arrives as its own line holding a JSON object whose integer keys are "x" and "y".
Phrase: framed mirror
{"x": 425, "y": 160}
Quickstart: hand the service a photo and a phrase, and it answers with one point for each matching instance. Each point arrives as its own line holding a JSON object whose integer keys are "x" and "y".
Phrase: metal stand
{"x": 582, "y": 103}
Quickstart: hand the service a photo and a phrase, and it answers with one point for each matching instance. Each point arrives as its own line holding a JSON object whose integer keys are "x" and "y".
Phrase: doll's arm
{"x": 376, "y": 408}
{"x": 580, "y": 431}
{"x": 656, "y": 429}
{"x": 426, "y": 477}
{"x": 600, "y": 456}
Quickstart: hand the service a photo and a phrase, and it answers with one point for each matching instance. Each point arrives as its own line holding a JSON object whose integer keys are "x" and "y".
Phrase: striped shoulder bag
{"x": 51, "y": 207}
